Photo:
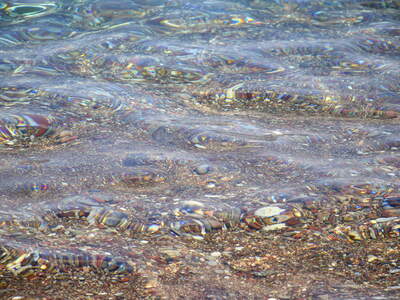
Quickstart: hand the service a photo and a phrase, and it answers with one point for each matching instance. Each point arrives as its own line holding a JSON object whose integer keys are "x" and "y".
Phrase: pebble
{"x": 150, "y": 284}
{"x": 393, "y": 271}
{"x": 211, "y": 184}
{"x": 200, "y": 146}
{"x": 202, "y": 169}
{"x": 170, "y": 252}
{"x": 216, "y": 254}
{"x": 371, "y": 258}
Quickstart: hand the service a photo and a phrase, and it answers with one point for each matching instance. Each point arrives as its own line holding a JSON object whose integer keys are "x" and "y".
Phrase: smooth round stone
{"x": 202, "y": 169}
{"x": 211, "y": 184}
{"x": 26, "y": 10}
{"x": 215, "y": 254}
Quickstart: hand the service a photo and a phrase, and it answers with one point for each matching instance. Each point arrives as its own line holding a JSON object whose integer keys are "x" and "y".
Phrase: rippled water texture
{"x": 123, "y": 123}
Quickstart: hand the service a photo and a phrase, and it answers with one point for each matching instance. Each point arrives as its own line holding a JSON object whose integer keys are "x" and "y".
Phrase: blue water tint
{"x": 276, "y": 102}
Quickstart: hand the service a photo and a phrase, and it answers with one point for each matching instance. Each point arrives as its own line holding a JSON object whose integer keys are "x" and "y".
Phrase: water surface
{"x": 146, "y": 105}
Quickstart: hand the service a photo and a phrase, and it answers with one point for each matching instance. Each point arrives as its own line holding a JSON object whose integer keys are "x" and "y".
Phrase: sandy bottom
{"x": 235, "y": 265}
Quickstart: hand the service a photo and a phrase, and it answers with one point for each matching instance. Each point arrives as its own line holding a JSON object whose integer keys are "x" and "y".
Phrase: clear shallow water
{"x": 232, "y": 104}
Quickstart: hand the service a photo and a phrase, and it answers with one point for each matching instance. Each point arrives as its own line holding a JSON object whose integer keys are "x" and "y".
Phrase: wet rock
{"x": 211, "y": 184}
{"x": 372, "y": 258}
{"x": 202, "y": 169}
{"x": 216, "y": 254}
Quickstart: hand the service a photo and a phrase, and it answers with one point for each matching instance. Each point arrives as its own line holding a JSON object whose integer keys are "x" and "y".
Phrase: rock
{"x": 202, "y": 169}
{"x": 216, "y": 254}
{"x": 150, "y": 284}
{"x": 371, "y": 258}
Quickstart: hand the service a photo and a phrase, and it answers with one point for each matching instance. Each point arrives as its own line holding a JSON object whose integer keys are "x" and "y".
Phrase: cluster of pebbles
{"x": 218, "y": 145}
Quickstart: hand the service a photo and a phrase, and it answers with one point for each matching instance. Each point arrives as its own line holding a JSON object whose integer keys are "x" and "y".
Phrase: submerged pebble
{"x": 202, "y": 169}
